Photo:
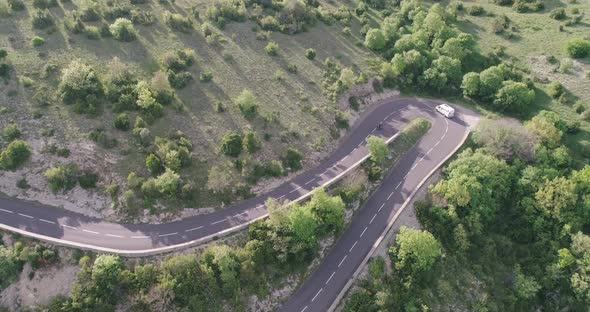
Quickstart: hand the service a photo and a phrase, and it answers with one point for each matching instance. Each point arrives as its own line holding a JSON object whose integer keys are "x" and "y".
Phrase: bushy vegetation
{"x": 13, "y": 258}
{"x": 122, "y": 29}
{"x": 578, "y": 48}
{"x": 533, "y": 218}
{"x": 80, "y": 86}
{"x": 219, "y": 275}
{"x": 14, "y": 155}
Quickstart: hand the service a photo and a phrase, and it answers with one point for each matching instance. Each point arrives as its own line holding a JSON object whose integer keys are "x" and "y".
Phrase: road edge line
{"x": 357, "y": 272}
{"x": 196, "y": 242}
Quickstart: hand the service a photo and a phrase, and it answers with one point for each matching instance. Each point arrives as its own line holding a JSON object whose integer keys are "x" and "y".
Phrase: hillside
{"x": 213, "y": 61}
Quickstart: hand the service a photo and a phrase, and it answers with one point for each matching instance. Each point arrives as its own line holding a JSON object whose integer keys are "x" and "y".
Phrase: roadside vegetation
{"x": 506, "y": 227}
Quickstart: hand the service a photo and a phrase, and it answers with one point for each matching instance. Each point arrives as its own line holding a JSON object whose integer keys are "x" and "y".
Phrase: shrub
{"x": 178, "y": 22}
{"x": 16, "y": 5}
{"x": 153, "y": 164}
{"x": 22, "y": 184}
{"x": 579, "y": 107}
{"x": 11, "y": 132}
{"x": 514, "y": 97}
{"x": 122, "y": 29}
{"x": 246, "y": 102}
{"x": 310, "y": 54}
{"x": 292, "y": 68}
{"x": 80, "y": 85}
{"x": 206, "y": 76}
{"x": 251, "y": 142}
{"x": 3, "y": 53}
{"x": 122, "y": 122}
{"x": 88, "y": 179}
{"x": 14, "y": 155}
{"x": 272, "y": 48}
{"x": 178, "y": 60}
{"x": 558, "y": 14}
{"x": 475, "y": 10}
{"x": 578, "y": 48}
{"x": 375, "y": 40}
{"x": 231, "y": 144}
{"x": 292, "y": 159}
{"x": 168, "y": 183}
{"x": 42, "y": 19}
{"x": 92, "y": 32}
{"x": 555, "y": 89}
{"x": 90, "y": 13}
{"x": 269, "y": 22}
{"x": 61, "y": 177}
{"x": 37, "y": 41}
{"x": 179, "y": 80}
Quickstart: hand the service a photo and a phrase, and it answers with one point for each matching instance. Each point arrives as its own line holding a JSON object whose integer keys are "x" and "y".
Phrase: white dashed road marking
{"x": 390, "y": 194}
{"x": 304, "y": 309}
{"x": 46, "y": 221}
{"x": 91, "y": 232}
{"x": 351, "y": 248}
{"x": 194, "y": 229}
{"x": 306, "y": 183}
{"x": 329, "y": 279}
{"x": 213, "y": 223}
{"x": 317, "y": 294}
{"x": 342, "y": 261}
{"x": 112, "y": 235}
{"x": 169, "y": 234}
{"x": 381, "y": 207}
{"x": 400, "y": 183}
{"x": 372, "y": 219}
{"x": 239, "y": 214}
{"x": 69, "y": 227}
{"x": 26, "y": 216}
{"x": 363, "y": 232}
{"x": 7, "y": 211}
{"x": 140, "y": 237}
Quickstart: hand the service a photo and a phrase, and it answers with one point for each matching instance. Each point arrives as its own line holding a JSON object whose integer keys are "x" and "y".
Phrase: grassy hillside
{"x": 293, "y": 110}
{"x": 536, "y": 41}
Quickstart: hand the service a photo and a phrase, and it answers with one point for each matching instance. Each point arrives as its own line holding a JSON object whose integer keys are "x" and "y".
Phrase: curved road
{"x": 68, "y": 228}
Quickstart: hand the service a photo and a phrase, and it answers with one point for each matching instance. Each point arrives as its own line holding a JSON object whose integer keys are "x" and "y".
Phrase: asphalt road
{"x": 69, "y": 228}
{"x": 325, "y": 284}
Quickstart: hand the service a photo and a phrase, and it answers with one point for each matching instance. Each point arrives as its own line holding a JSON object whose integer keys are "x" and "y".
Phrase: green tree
{"x": 147, "y": 103}
{"x": 246, "y": 102}
{"x": 9, "y": 267}
{"x": 123, "y": 30}
{"x": 415, "y": 251}
{"x": 79, "y": 83}
{"x": 375, "y": 40}
{"x": 251, "y": 142}
{"x": 122, "y": 122}
{"x": 471, "y": 84}
{"x": 477, "y": 185}
{"x": 377, "y": 149}
{"x": 514, "y": 97}
{"x": 292, "y": 159}
{"x": 168, "y": 183}
{"x": 578, "y": 48}
{"x": 444, "y": 73}
{"x": 526, "y": 287}
{"x": 231, "y": 144}
{"x": 61, "y": 177}
{"x": 545, "y": 129}
{"x": 106, "y": 274}
{"x": 303, "y": 224}
{"x": 153, "y": 164}
{"x": 557, "y": 198}
{"x": 329, "y": 211}
{"x": 11, "y": 132}
{"x": 14, "y": 155}
{"x": 310, "y": 54}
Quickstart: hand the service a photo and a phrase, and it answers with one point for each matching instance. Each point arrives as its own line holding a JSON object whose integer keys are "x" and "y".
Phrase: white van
{"x": 446, "y": 110}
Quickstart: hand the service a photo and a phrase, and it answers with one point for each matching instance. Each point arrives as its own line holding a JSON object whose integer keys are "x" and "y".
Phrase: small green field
{"x": 537, "y": 42}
